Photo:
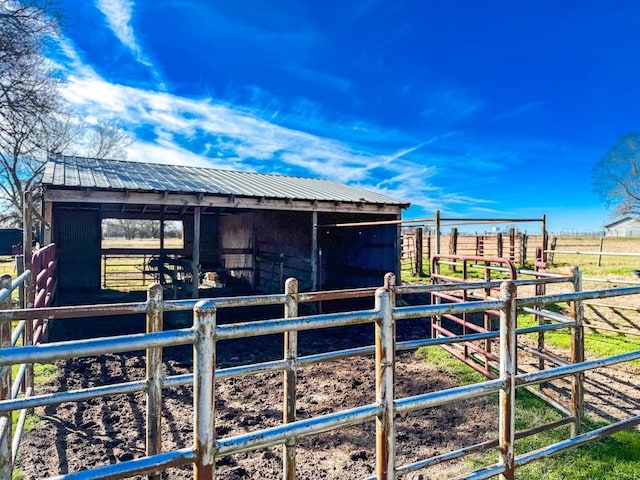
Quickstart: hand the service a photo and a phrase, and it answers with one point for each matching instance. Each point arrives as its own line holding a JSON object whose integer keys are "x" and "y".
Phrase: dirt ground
{"x": 72, "y": 437}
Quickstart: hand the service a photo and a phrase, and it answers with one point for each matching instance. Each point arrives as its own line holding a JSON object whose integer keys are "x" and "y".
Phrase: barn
{"x": 251, "y": 228}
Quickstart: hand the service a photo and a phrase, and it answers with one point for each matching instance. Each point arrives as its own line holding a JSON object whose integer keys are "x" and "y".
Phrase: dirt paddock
{"x": 72, "y": 437}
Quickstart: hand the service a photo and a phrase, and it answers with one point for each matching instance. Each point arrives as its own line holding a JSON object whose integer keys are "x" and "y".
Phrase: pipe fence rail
{"x": 505, "y": 374}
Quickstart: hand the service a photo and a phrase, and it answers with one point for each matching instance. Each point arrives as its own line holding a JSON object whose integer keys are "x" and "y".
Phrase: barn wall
{"x": 357, "y": 256}
{"x": 283, "y": 249}
{"x": 236, "y": 243}
{"x": 77, "y": 236}
{"x": 209, "y": 248}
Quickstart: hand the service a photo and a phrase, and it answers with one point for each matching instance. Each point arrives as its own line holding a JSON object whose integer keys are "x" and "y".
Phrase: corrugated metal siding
{"x": 77, "y": 235}
{"x": 78, "y": 172}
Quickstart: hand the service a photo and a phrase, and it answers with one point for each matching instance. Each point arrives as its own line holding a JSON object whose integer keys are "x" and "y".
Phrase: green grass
{"x": 617, "y": 456}
{"x": 601, "y": 344}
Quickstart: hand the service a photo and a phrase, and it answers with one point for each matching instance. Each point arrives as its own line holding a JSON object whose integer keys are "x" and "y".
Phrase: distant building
{"x": 626, "y": 227}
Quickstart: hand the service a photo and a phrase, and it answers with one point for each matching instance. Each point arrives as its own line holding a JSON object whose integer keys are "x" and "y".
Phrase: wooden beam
{"x": 314, "y": 251}
{"x": 217, "y": 201}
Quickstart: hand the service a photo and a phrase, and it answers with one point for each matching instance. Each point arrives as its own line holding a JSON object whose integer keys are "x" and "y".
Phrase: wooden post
{"x": 429, "y": 249}
{"x": 545, "y": 238}
{"x": 512, "y": 244}
{"x": 385, "y": 366}
{"x": 438, "y": 232}
{"x": 523, "y": 249}
{"x": 290, "y": 378}
{"x": 453, "y": 246}
{"x": 419, "y": 252}
{"x": 508, "y": 352}
{"x": 154, "y": 375}
{"x": 552, "y": 247}
{"x": 600, "y": 250}
{"x": 27, "y": 238}
{"x": 499, "y": 245}
{"x": 6, "y": 458}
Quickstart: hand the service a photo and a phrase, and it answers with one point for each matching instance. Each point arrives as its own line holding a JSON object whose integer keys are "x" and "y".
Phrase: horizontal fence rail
{"x": 205, "y": 332}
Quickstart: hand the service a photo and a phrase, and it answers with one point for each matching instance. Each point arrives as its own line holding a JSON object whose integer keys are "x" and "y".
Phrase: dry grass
{"x": 141, "y": 243}
{"x": 7, "y": 266}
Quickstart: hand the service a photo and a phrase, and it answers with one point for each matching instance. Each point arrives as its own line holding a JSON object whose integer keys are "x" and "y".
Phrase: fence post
{"x": 290, "y": 377}
{"x": 499, "y": 245}
{"x": 154, "y": 375}
{"x": 453, "y": 246}
{"x": 429, "y": 250}
{"x": 577, "y": 356}
{"x": 512, "y": 244}
{"x": 419, "y": 252}
{"x": 438, "y": 233}
{"x": 6, "y": 458}
{"x": 204, "y": 357}
{"x": 600, "y": 256}
{"x": 385, "y": 365}
{"x": 508, "y": 316}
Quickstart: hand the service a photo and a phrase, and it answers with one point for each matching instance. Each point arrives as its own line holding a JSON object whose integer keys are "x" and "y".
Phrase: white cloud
{"x": 206, "y": 132}
{"x": 119, "y": 14}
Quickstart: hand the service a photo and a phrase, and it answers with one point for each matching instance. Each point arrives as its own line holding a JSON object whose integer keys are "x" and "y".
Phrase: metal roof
{"x": 91, "y": 173}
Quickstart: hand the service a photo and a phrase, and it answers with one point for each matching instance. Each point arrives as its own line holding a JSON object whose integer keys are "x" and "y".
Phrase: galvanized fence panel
{"x": 205, "y": 333}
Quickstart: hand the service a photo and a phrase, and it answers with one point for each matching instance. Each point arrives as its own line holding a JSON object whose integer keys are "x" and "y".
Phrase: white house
{"x": 625, "y": 227}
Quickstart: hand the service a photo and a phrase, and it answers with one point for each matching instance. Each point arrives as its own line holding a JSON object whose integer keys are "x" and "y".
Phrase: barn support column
{"x": 47, "y": 228}
{"x": 195, "y": 258}
{"x": 314, "y": 251}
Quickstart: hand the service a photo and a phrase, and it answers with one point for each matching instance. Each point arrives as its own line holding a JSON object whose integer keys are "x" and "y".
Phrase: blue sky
{"x": 474, "y": 108}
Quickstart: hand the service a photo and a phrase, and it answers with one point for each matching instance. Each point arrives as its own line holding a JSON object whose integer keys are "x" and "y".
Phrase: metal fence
{"x": 204, "y": 334}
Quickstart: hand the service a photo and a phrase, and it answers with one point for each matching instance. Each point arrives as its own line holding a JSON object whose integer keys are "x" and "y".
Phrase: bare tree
{"x": 28, "y": 97}
{"x": 33, "y": 121}
{"x": 106, "y": 139}
{"x": 616, "y": 176}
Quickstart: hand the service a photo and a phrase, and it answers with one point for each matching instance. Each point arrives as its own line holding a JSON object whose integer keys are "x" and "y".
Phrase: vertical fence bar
{"x": 204, "y": 357}
{"x": 19, "y": 271}
{"x": 6, "y": 459}
{"x": 508, "y": 316}
{"x": 290, "y": 378}
{"x": 385, "y": 364}
{"x": 154, "y": 375}
{"x": 577, "y": 356}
